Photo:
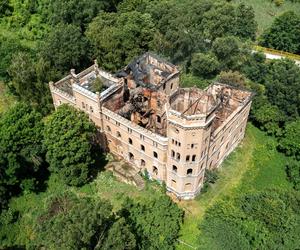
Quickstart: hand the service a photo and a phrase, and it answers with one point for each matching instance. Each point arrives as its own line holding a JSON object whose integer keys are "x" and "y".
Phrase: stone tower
{"x": 190, "y": 115}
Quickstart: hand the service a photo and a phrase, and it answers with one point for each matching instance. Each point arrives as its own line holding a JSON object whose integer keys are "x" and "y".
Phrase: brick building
{"x": 145, "y": 117}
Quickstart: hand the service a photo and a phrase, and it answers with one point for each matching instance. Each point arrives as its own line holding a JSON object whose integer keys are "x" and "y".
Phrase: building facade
{"x": 144, "y": 117}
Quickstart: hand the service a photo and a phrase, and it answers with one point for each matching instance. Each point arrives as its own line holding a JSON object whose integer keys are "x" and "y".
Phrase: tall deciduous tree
{"x": 282, "y": 86}
{"x": 155, "y": 223}
{"x": 284, "y": 33}
{"x": 290, "y": 142}
{"x": 68, "y": 141}
{"x": 227, "y": 51}
{"x": 30, "y": 81}
{"x": 246, "y": 25}
{"x": 21, "y": 151}
{"x": 73, "y": 223}
{"x": 204, "y": 65}
{"x": 118, "y": 38}
{"x": 65, "y": 48}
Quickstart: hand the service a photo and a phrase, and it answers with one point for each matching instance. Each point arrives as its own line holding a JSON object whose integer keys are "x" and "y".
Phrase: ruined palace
{"x": 143, "y": 116}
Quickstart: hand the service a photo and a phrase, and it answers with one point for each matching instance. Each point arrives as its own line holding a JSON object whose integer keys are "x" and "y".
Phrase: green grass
{"x": 6, "y": 99}
{"x": 266, "y": 11}
{"x": 255, "y": 165}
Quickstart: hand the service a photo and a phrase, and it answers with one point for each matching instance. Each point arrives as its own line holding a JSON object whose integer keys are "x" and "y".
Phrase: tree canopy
{"x": 21, "y": 151}
{"x": 284, "y": 33}
{"x": 68, "y": 141}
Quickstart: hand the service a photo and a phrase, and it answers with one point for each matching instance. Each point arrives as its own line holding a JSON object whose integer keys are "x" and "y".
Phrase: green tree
{"x": 227, "y": 51}
{"x": 246, "y": 25}
{"x": 290, "y": 142}
{"x": 219, "y": 21}
{"x": 21, "y": 151}
{"x": 155, "y": 223}
{"x": 118, "y": 38}
{"x": 269, "y": 118}
{"x": 73, "y": 223}
{"x": 65, "y": 48}
{"x": 255, "y": 67}
{"x": 205, "y": 65}
{"x": 76, "y": 12}
{"x": 282, "y": 83}
{"x": 293, "y": 173}
{"x": 259, "y": 220}
{"x": 30, "y": 81}
{"x": 68, "y": 142}
{"x": 119, "y": 237}
{"x": 233, "y": 78}
{"x": 284, "y": 33}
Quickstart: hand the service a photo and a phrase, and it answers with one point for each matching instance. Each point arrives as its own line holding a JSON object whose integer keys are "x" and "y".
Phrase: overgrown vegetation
{"x": 42, "y": 40}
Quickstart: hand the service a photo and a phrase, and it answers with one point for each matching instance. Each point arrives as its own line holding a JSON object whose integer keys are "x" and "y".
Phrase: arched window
{"x": 131, "y": 156}
{"x": 188, "y": 187}
{"x": 187, "y": 158}
{"x": 172, "y": 153}
{"x": 178, "y": 156}
{"x": 142, "y": 147}
{"x": 173, "y": 184}
{"x": 155, "y": 154}
{"x": 130, "y": 141}
{"x": 91, "y": 109}
{"x": 193, "y": 157}
{"x": 189, "y": 171}
{"x": 83, "y": 105}
{"x": 227, "y": 145}
{"x": 118, "y": 134}
{"x": 155, "y": 170}
{"x": 158, "y": 119}
{"x": 143, "y": 163}
{"x": 171, "y": 87}
{"x": 108, "y": 128}
{"x": 174, "y": 168}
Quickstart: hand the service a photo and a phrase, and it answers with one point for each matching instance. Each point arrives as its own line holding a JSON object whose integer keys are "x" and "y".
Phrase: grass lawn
{"x": 266, "y": 11}
{"x": 6, "y": 100}
{"x": 255, "y": 165}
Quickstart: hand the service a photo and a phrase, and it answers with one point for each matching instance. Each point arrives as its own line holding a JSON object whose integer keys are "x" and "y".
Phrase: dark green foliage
{"x": 5, "y": 8}
{"x": 8, "y": 47}
{"x": 255, "y": 67}
{"x": 30, "y": 81}
{"x": 97, "y": 85}
{"x": 68, "y": 141}
{"x": 119, "y": 237}
{"x": 155, "y": 222}
{"x": 284, "y": 34}
{"x": 227, "y": 51}
{"x": 224, "y": 25}
{"x": 293, "y": 173}
{"x": 210, "y": 178}
{"x": 233, "y": 78}
{"x": 66, "y": 48}
{"x": 21, "y": 152}
{"x": 118, "y": 38}
{"x": 269, "y": 118}
{"x": 73, "y": 223}
{"x": 263, "y": 220}
{"x": 290, "y": 142}
{"x": 79, "y": 13}
{"x": 246, "y": 25}
{"x": 282, "y": 83}
{"x": 204, "y": 65}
